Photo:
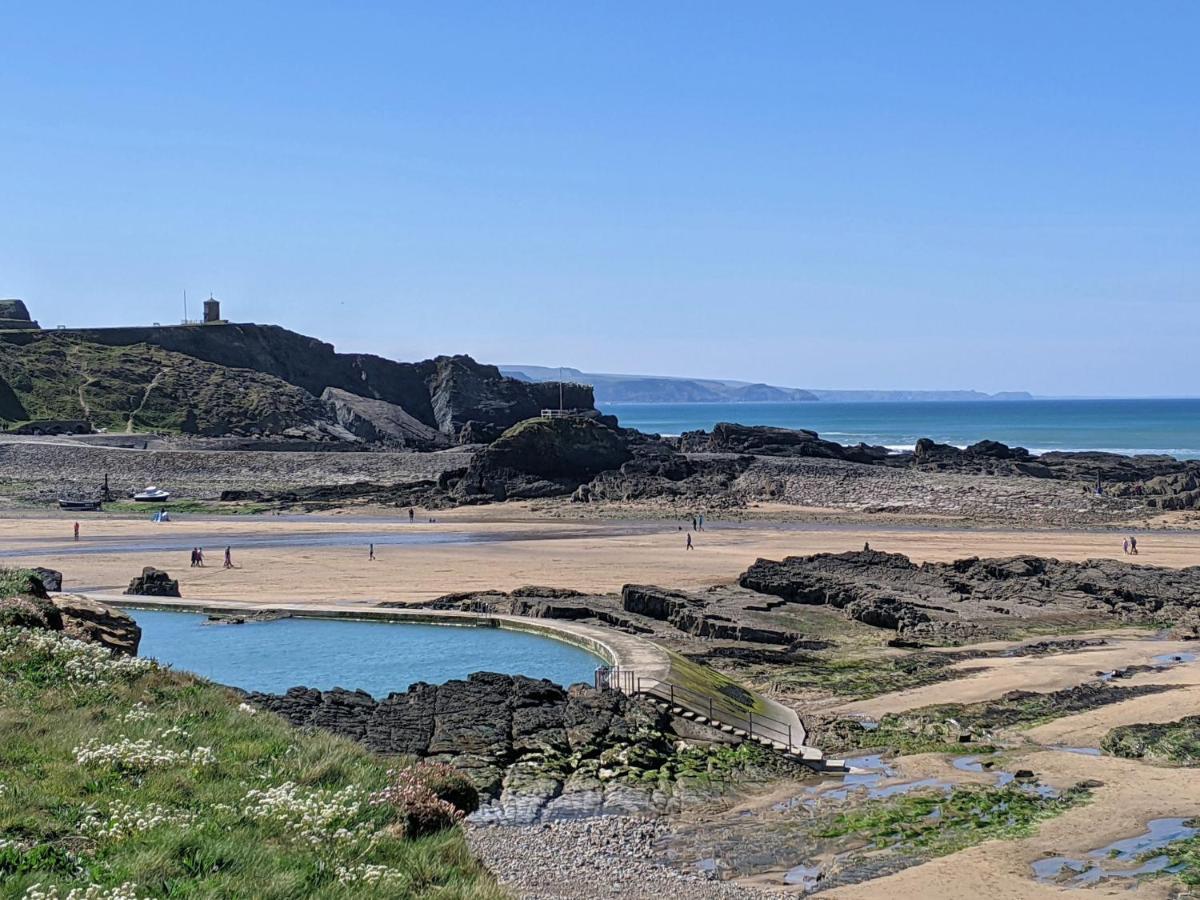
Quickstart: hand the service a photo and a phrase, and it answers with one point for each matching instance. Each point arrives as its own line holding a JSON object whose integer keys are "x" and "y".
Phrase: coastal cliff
{"x": 248, "y": 379}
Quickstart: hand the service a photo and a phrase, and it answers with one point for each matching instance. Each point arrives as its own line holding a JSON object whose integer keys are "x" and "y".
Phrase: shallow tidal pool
{"x": 377, "y": 657}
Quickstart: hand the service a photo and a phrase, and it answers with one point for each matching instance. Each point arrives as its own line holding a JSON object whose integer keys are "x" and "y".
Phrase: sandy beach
{"x": 325, "y": 558}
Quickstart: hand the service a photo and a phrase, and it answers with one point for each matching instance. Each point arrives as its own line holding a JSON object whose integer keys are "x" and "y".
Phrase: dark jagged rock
{"x": 764, "y": 440}
{"x": 98, "y": 623}
{"x": 51, "y": 579}
{"x": 485, "y": 725}
{"x": 153, "y": 583}
{"x": 951, "y": 601}
{"x": 543, "y": 457}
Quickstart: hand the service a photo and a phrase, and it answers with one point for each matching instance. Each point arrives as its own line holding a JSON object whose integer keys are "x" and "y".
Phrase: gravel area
{"x": 42, "y": 470}
{"x": 608, "y": 857}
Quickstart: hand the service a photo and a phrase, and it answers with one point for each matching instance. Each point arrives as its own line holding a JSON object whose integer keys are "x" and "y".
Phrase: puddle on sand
{"x": 1083, "y": 751}
{"x": 1166, "y": 660}
{"x": 804, "y": 877}
{"x": 973, "y": 764}
{"x": 1159, "y": 833}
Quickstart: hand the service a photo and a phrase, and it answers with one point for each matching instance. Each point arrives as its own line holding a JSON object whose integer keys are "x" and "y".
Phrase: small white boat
{"x": 152, "y": 495}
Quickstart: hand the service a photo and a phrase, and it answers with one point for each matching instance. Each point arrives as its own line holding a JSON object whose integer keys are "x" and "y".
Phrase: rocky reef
{"x": 976, "y": 598}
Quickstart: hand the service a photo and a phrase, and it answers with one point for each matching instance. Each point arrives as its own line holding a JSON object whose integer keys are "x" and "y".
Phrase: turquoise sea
{"x": 1120, "y": 426}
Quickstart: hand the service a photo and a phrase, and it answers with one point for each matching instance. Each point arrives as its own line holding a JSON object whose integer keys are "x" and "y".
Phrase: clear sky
{"x": 839, "y": 195}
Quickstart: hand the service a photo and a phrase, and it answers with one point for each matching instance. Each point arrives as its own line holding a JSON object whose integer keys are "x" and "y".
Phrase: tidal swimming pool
{"x": 377, "y": 657}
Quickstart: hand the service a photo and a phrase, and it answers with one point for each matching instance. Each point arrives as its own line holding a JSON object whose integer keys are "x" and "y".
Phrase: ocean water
{"x": 377, "y": 657}
{"x": 1119, "y": 426}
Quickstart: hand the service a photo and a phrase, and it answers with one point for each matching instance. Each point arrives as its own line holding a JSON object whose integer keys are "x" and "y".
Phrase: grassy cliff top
{"x": 119, "y": 779}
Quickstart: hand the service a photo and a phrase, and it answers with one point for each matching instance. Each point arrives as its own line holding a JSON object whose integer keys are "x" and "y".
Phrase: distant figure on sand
{"x": 1132, "y": 546}
{"x": 228, "y": 558}
{"x": 195, "y": 557}
{"x": 76, "y": 531}
{"x": 1125, "y": 546}
{"x": 411, "y": 514}
{"x": 370, "y": 551}
{"x": 689, "y": 542}
{"x": 701, "y": 521}
{"x": 866, "y": 546}
{"x": 693, "y": 523}
{"x": 200, "y": 556}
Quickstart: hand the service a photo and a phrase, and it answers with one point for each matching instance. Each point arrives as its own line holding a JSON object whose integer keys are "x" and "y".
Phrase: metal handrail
{"x": 754, "y": 725}
{"x": 761, "y": 726}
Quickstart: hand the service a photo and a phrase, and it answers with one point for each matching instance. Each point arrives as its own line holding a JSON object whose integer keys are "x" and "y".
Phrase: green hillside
{"x": 144, "y": 388}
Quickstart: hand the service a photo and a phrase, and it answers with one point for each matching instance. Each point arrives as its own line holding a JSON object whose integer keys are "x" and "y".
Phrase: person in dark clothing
{"x": 689, "y": 541}
{"x": 866, "y": 547}
{"x": 1132, "y": 546}
{"x": 411, "y": 514}
{"x": 200, "y": 556}
{"x": 370, "y": 551}
{"x": 228, "y": 558}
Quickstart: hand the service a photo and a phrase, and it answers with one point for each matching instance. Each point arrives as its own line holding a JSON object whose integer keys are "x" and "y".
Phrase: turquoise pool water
{"x": 377, "y": 657}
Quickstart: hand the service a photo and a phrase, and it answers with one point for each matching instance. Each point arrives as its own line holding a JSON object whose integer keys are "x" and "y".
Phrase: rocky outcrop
{"x": 98, "y": 623}
{"x": 691, "y": 614}
{"x": 762, "y": 440}
{"x": 378, "y": 421}
{"x": 544, "y": 457}
{"x": 153, "y": 583}
{"x": 14, "y": 314}
{"x": 495, "y": 728}
{"x": 975, "y": 597}
{"x": 51, "y": 579}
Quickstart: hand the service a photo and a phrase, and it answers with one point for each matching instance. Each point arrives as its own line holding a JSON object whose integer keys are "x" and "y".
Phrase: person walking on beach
{"x": 693, "y": 523}
{"x": 200, "y": 557}
{"x": 411, "y": 515}
{"x": 701, "y": 521}
{"x": 228, "y": 558}
{"x": 689, "y": 540}
{"x": 76, "y": 531}
{"x": 1132, "y": 546}
{"x": 370, "y": 551}
{"x": 1125, "y": 546}
{"x": 193, "y": 557}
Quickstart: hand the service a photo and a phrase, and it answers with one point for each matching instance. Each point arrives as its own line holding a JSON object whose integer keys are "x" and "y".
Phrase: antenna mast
{"x": 185, "y": 307}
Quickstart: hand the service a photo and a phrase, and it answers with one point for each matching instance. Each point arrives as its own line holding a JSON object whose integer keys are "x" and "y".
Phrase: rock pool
{"x": 377, "y": 657}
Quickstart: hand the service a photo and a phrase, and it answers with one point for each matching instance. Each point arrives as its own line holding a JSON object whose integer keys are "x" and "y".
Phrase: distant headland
{"x": 613, "y": 388}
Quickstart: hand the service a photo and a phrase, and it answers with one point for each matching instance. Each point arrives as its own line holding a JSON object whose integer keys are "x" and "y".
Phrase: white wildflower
{"x": 140, "y": 755}
{"x": 318, "y": 816}
{"x": 366, "y": 873}
{"x": 125, "y": 891}
{"x": 82, "y": 663}
{"x": 124, "y": 819}
{"x": 139, "y": 713}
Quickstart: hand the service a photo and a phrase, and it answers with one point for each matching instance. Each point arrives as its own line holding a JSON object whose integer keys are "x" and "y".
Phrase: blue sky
{"x": 851, "y": 195}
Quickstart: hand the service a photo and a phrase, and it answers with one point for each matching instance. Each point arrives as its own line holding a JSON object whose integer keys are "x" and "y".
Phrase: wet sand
{"x": 324, "y": 558}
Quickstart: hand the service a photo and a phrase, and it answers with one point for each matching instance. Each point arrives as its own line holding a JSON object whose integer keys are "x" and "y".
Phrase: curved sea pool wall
{"x": 375, "y": 653}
